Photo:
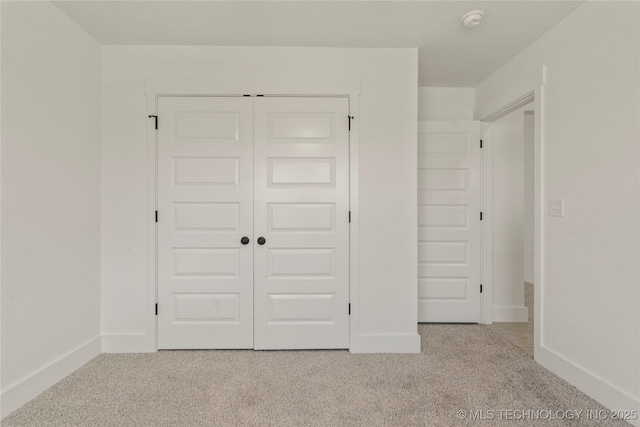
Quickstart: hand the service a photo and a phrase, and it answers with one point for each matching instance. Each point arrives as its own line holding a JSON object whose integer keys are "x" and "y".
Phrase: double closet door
{"x": 253, "y": 225}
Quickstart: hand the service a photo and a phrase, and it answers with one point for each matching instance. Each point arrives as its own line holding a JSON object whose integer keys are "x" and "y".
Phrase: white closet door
{"x": 205, "y": 204}
{"x": 449, "y": 222}
{"x": 301, "y": 209}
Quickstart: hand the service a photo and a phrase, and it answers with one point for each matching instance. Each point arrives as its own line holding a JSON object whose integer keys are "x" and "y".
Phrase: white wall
{"x": 590, "y": 318}
{"x": 50, "y": 199}
{"x": 507, "y": 150}
{"x": 446, "y": 103}
{"x": 386, "y": 310}
{"x": 527, "y": 214}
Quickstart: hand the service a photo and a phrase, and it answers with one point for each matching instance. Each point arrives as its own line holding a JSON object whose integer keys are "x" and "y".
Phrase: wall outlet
{"x": 556, "y": 207}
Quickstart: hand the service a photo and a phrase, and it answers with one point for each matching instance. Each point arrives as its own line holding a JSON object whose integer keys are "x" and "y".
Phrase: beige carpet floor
{"x": 461, "y": 368}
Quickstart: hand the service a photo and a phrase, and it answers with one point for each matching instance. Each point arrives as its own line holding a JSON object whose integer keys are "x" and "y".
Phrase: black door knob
{"x": 262, "y": 240}
{"x": 244, "y": 240}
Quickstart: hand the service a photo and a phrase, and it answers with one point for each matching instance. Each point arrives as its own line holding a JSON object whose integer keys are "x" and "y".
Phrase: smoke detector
{"x": 472, "y": 19}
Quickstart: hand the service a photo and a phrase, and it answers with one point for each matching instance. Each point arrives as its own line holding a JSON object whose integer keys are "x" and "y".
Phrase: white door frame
{"x": 527, "y": 89}
{"x": 215, "y": 85}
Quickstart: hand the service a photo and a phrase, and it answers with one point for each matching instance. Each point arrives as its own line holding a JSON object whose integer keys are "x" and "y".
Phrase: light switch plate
{"x": 556, "y": 207}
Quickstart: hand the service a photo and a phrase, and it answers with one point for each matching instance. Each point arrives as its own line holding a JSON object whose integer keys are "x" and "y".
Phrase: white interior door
{"x": 449, "y": 222}
{"x": 205, "y": 204}
{"x": 302, "y": 211}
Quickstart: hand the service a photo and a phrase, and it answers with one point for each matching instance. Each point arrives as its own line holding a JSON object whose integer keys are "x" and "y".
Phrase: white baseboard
{"x": 21, "y": 392}
{"x": 528, "y": 277}
{"x": 589, "y": 383}
{"x": 392, "y": 343}
{"x": 128, "y": 343}
{"x": 367, "y": 343}
{"x": 510, "y": 314}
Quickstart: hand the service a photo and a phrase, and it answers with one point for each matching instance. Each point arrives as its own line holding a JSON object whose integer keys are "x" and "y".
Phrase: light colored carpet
{"x": 461, "y": 367}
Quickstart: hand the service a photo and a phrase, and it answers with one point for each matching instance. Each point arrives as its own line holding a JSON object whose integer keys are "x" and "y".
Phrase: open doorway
{"x": 512, "y": 205}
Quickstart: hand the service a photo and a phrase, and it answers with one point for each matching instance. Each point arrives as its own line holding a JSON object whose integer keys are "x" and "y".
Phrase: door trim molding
{"x": 273, "y": 85}
{"x": 526, "y": 89}
{"x": 216, "y": 85}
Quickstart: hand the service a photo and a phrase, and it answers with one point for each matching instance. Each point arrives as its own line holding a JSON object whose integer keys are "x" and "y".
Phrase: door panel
{"x": 305, "y": 217}
{"x": 449, "y": 222}
{"x": 202, "y": 171}
{"x": 205, "y": 204}
{"x": 301, "y": 208}
{"x": 301, "y": 172}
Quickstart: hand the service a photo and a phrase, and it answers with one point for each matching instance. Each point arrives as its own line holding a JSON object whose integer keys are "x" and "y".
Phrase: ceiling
{"x": 449, "y": 54}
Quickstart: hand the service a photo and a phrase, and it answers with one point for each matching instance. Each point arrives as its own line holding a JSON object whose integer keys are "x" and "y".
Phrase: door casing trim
{"x": 235, "y": 86}
{"x": 528, "y": 88}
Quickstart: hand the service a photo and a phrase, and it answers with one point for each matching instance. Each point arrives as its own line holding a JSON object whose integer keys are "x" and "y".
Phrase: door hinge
{"x": 349, "y": 216}
{"x": 349, "y": 309}
{"x": 156, "y": 216}
{"x": 156, "y": 118}
{"x": 480, "y": 143}
{"x": 156, "y": 309}
{"x": 480, "y": 288}
{"x": 480, "y": 216}
{"x": 350, "y": 118}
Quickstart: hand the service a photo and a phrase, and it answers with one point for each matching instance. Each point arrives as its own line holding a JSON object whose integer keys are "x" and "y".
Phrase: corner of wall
{"x": 16, "y": 395}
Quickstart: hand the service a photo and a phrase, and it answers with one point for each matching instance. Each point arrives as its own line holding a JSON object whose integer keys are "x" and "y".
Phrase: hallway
{"x": 519, "y": 333}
